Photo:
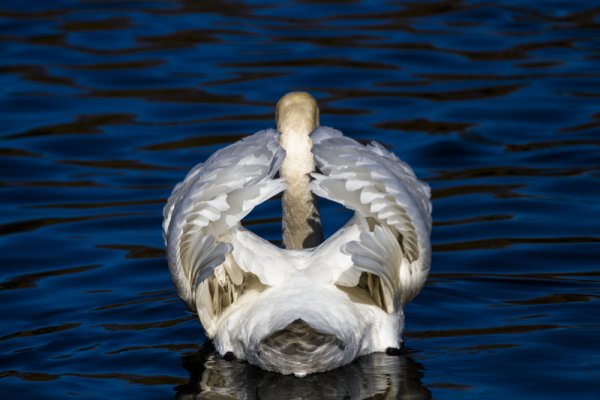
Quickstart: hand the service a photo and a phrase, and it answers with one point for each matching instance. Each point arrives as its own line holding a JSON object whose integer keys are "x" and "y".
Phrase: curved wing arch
{"x": 203, "y": 214}
{"x": 394, "y": 243}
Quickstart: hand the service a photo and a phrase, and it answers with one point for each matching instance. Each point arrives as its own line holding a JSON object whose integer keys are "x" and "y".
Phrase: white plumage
{"x": 300, "y": 310}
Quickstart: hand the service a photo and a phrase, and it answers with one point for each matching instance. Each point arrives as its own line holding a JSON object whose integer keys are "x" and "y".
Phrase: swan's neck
{"x": 301, "y": 220}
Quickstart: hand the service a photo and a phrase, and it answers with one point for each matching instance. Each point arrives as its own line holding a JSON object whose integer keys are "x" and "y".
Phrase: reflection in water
{"x": 380, "y": 375}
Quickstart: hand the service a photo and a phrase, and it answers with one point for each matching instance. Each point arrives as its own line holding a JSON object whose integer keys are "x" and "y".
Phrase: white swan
{"x": 314, "y": 305}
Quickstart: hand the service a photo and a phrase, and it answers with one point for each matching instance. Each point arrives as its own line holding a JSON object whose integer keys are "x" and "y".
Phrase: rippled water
{"x": 106, "y": 104}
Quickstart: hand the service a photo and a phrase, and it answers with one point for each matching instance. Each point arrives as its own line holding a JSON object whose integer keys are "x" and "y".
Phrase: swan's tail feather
{"x": 299, "y": 347}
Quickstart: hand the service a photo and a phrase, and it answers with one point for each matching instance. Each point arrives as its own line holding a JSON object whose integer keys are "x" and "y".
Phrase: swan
{"x": 313, "y": 305}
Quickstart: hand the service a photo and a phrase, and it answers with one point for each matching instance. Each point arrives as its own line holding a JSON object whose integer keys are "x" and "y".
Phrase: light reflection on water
{"x": 106, "y": 105}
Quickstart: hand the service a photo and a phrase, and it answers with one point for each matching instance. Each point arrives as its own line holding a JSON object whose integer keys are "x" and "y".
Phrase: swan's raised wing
{"x": 384, "y": 191}
{"x": 203, "y": 214}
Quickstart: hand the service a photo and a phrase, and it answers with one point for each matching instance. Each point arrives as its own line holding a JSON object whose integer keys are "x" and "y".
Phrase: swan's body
{"x": 301, "y": 309}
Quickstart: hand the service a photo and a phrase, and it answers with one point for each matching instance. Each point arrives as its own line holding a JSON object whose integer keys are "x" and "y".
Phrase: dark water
{"x": 106, "y": 104}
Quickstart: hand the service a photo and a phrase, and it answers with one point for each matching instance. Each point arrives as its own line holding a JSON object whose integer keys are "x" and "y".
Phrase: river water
{"x": 104, "y": 106}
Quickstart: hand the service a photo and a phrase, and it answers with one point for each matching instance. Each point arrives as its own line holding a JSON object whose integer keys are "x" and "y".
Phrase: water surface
{"x": 106, "y": 104}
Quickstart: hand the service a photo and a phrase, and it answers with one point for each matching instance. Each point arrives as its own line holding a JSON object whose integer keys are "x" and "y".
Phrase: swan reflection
{"x": 377, "y": 375}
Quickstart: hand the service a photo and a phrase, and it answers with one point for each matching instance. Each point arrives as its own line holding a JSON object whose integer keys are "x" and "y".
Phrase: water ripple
{"x": 29, "y": 281}
{"x": 40, "y": 331}
{"x": 148, "y": 325}
{"x": 498, "y": 243}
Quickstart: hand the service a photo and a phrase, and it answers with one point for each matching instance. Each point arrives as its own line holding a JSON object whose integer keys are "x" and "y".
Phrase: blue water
{"x": 104, "y": 106}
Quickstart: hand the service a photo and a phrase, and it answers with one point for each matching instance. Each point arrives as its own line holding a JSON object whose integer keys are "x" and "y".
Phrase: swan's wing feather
{"x": 383, "y": 190}
{"x": 379, "y": 253}
{"x": 375, "y": 186}
{"x": 203, "y": 213}
{"x": 421, "y": 190}
{"x": 221, "y": 165}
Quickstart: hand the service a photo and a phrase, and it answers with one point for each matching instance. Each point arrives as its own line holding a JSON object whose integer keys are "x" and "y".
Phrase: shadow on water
{"x": 374, "y": 376}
